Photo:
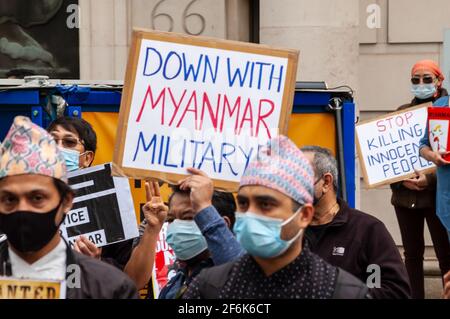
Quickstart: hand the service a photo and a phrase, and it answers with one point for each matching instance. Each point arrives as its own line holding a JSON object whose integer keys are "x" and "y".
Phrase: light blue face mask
{"x": 72, "y": 159}
{"x": 423, "y": 91}
{"x": 260, "y": 235}
{"x": 185, "y": 238}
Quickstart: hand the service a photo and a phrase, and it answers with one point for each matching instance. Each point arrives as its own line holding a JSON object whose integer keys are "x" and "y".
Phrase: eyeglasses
{"x": 426, "y": 79}
{"x": 68, "y": 142}
{"x": 318, "y": 180}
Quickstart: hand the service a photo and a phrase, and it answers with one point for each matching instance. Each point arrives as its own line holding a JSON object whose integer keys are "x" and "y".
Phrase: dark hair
{"x": 19, "y": 73}
{"x": 176, "y": 191}
{"x": 63, "y": 188}
{"x": 224, "y": 202}
{"x": 79, "y": 126}
{"x": 226, "y": 205}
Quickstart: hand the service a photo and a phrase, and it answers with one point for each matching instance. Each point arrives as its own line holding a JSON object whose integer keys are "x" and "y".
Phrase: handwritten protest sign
{"x": 102, "y": 209}
{"x": 12, "y": 288}
{"x": 388, "y": 146}
{"x": 200, "y": 102}
{"x": 438, "y": 129}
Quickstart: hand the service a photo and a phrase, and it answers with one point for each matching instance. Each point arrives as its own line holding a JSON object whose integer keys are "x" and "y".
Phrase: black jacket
{"x": 353, "y": 241}
{"x": 210, "y": 283}
{"x": 98, "y": 280}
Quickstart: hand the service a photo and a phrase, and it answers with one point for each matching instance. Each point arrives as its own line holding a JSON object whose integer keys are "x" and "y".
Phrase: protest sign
{"x": 438, "y": 130}
{"x": 13, "y": 288}
{"x": 200, "y": 102}
{"x": 388, "y": 146}
{"x": 102, "y": 209}
{"x": 164, "y": 260}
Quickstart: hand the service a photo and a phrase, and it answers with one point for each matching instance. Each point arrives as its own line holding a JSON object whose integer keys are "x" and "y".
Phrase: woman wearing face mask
{"x": 414, "y": 199}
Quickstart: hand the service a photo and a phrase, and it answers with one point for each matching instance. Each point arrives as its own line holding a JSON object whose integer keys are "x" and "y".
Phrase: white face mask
{"x": 423, "y": 91}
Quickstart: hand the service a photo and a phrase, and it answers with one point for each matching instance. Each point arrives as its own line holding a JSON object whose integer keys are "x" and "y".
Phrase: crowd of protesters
{"x": 285, "y": 234}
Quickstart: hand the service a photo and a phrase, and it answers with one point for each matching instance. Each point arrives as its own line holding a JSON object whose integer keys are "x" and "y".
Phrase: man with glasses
{"x": 350, "y": 239}
{"x": 77, "y": 141}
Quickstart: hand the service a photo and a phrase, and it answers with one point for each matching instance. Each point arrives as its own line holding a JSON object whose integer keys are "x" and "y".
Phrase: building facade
{"x": 369, "y": 45}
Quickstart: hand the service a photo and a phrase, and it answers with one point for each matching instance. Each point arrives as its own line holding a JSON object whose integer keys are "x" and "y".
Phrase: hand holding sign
{"x": 388, "y": 147}
{"x": 86, "y": 247}
{"x": 201, "y": 187}
{"x": 418, "y": 183}
{"x": 155, "y": 211}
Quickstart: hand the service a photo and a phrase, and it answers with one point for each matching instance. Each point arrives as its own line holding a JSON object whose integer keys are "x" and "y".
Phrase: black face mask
{"x": 29, "y": 231}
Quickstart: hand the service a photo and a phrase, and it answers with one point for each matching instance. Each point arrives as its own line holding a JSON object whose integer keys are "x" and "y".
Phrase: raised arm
{"x": 222, "y": 244}
{"x": 140, "y": 266}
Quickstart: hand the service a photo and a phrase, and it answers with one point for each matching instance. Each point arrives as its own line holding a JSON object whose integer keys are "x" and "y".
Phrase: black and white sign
{"x": 103, "y": 208}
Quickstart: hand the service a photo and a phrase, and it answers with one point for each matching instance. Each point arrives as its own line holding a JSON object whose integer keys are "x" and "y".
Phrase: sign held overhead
{"x": 200, "y": 102}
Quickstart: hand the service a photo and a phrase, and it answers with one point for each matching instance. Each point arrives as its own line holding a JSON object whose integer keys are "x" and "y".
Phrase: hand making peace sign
{"x": 155, "y": 211}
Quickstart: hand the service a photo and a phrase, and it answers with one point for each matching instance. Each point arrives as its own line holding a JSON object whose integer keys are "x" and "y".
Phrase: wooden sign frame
{"x": 362, "y": 162}
{"x": 33, "y": 285}
{"x": 130, "y": 77}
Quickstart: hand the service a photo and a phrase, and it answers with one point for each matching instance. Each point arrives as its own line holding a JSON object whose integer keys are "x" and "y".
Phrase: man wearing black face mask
{"x": 34, "y": 199}
{"x": 351, "y": 239}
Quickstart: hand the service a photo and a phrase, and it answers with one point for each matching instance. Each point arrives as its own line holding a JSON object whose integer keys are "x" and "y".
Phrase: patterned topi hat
{"x": 283, "y": 167}
{"x": 29, "y": 149}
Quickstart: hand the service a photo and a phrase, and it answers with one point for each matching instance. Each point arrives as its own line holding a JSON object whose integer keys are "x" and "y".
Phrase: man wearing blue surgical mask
{"x": 188, "y": 243}
{"x": 198, "y": 232}
{"x": 77, "y": 142}
{"x": 274, "y": 208}
{"x": 76, "y": 139}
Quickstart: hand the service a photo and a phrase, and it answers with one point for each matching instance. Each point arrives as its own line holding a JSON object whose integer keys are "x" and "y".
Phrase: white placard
{"x": 388, "y": 146}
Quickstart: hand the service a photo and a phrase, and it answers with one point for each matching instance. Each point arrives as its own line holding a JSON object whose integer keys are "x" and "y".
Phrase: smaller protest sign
{"x": 164, "y": 262}
{"x": 388, "y": 146}
{"x": 438, "y": 130}
{"x": 13, "y": 288}
{"x": 103, "y": 208}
